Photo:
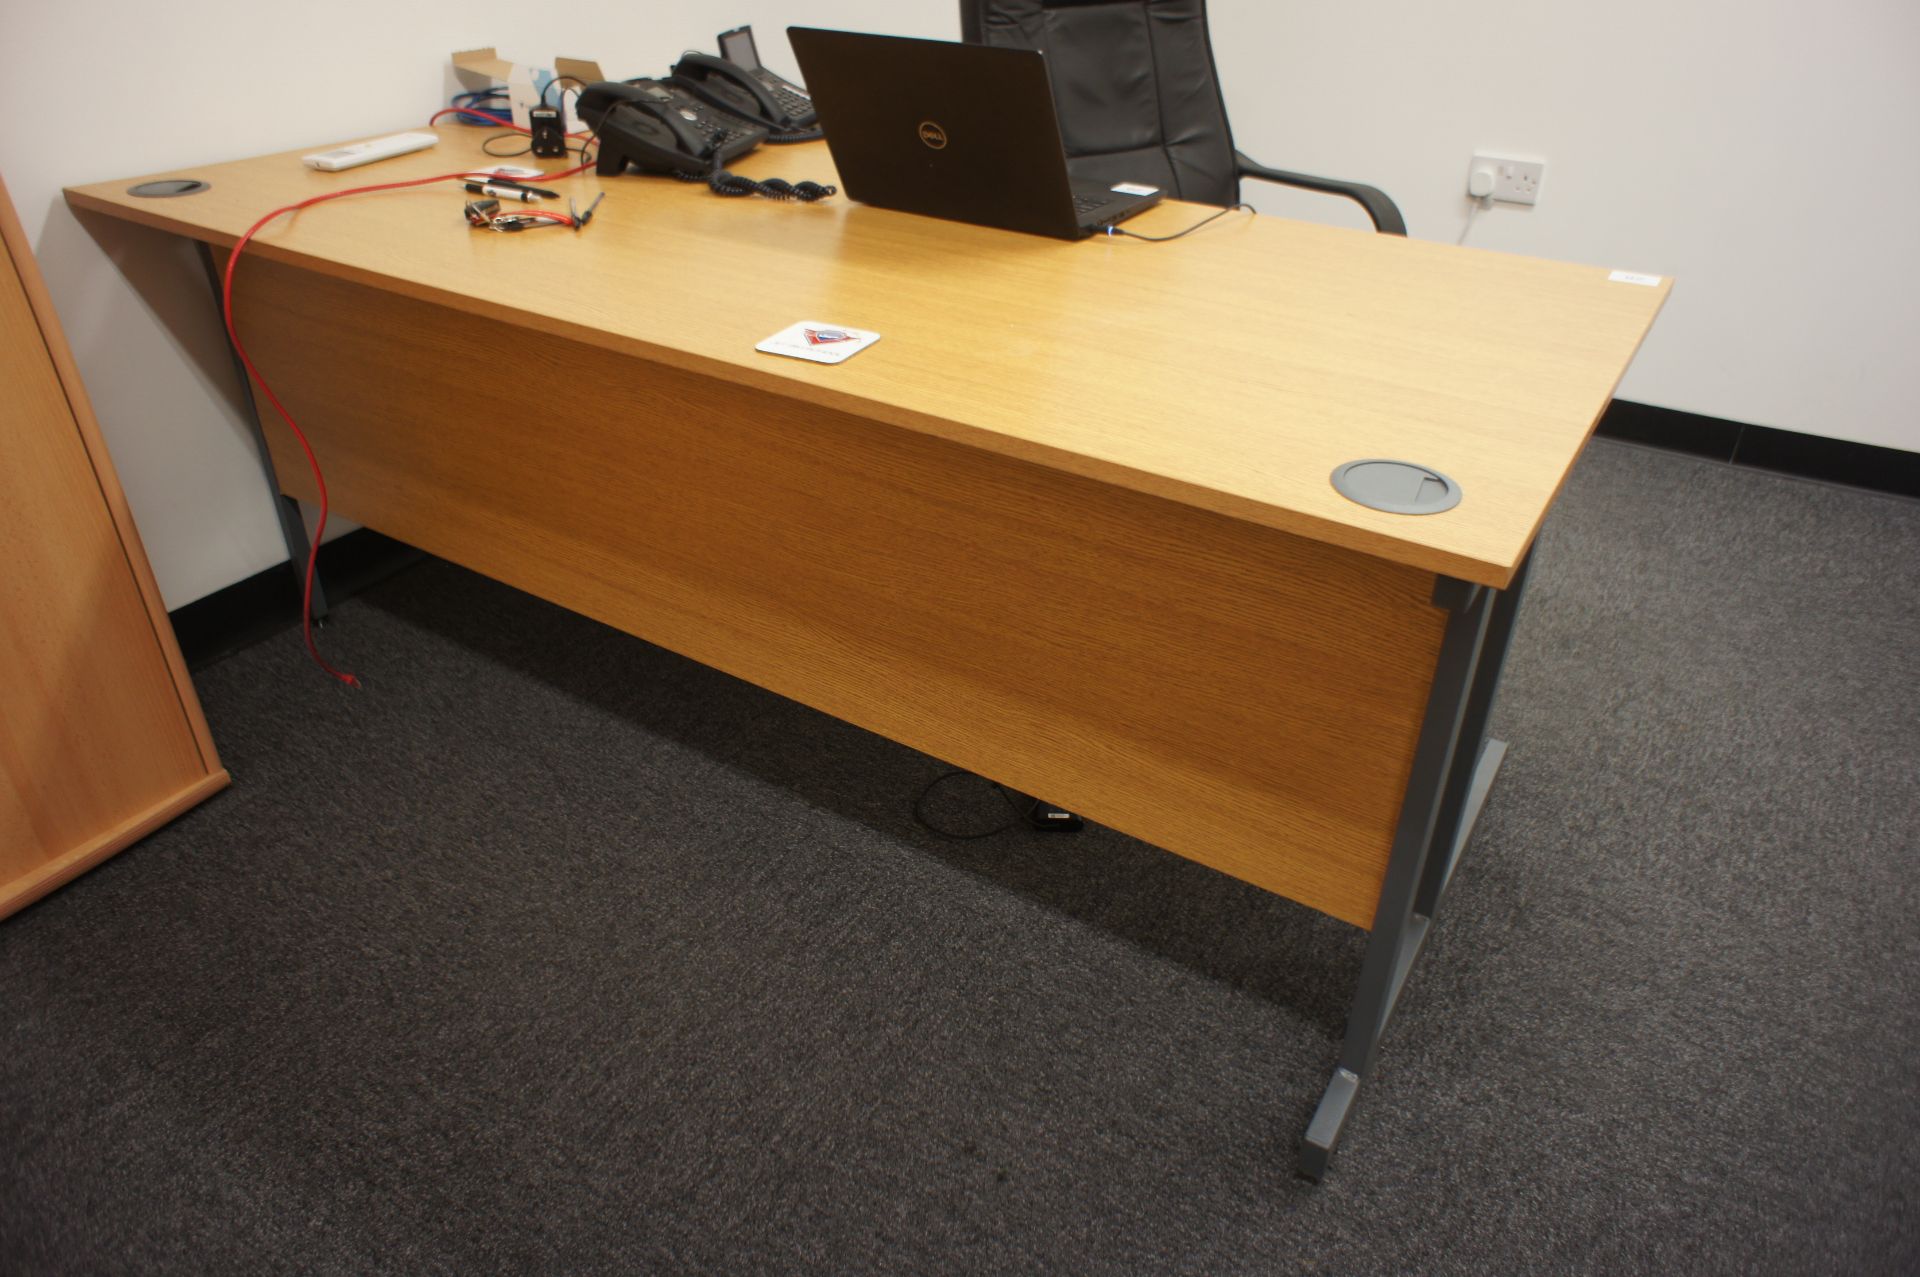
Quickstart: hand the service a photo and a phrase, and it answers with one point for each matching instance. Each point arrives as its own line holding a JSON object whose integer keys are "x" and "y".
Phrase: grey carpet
{"x": 553, "y": 952}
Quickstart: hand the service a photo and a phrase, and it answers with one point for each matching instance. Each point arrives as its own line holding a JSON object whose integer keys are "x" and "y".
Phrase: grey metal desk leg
{"x": 293, "y": 528}
{"x": 1453, "y": 767}
{"x": 1476, "y": 758}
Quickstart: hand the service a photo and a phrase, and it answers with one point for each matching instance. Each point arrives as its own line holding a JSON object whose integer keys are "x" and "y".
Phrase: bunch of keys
{"x": 486, "y": 214}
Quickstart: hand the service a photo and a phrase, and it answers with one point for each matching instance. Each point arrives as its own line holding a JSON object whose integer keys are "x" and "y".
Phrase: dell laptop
{"x": 961, "y": 131}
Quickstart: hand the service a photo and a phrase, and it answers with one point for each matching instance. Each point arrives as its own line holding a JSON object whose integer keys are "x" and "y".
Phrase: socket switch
{"x": 1506, "y": 179}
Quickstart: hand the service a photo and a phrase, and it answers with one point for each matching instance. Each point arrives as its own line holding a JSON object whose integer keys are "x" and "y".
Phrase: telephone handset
{"x": 724, "y": 84}
{"x": 657, "y": 126}
{"x": 736, "y": 80}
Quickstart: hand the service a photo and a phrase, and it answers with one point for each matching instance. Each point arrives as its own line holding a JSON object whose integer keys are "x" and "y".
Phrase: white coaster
{"x": 822, "y": 343}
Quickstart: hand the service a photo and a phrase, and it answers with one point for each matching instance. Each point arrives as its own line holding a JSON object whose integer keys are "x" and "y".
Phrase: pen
{"x": 502, "y": 192}
{"x": 522, "y": 186}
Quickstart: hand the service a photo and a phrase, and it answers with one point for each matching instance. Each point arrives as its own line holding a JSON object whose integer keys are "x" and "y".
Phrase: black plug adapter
{"x": 549, "y": 134}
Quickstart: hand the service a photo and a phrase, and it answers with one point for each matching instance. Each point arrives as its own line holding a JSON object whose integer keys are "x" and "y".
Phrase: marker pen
{"x": 502, "y": 192}
{"x": 519, "y": 185}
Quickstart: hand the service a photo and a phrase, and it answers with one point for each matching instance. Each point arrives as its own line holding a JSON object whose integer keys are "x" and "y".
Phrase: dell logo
{"x": 933, "y": 135}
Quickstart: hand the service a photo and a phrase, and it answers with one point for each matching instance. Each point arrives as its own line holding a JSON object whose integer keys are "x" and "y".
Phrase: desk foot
{"x": 1324, "y": 1131}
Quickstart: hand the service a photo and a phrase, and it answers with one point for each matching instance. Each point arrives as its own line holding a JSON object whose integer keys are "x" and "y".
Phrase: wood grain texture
{"x": 1239, "y": 695}
{"x": 50, "y": 875}
{"x": 1231, "y": 371}
{"x": 98, "y": 724}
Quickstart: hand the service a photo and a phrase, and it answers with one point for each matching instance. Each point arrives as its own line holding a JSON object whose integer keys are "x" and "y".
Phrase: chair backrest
{"x": 1134, "y": 83}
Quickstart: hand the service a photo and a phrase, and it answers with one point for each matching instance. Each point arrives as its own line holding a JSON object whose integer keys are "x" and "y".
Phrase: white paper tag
{"x": 1634, "y": 277}
{"x": 822, "y": 343}
{"x": 1132, "y": 188}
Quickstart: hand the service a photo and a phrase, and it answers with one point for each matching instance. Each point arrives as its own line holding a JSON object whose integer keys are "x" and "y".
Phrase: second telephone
{"x": 657, "y": 126}
{"x": 735, "y": 81}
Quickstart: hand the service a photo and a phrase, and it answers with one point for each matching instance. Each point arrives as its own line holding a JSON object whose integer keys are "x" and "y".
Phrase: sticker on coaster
{"x": 1634, "y": 277}
{"x": 822, "y": 343}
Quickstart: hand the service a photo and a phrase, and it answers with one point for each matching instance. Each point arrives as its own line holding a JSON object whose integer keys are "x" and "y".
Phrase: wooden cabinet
{"x": 101, "y": 736}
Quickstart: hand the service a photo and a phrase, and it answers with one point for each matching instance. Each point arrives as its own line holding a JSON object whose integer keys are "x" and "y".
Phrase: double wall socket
{"x": 1504, "y": 178}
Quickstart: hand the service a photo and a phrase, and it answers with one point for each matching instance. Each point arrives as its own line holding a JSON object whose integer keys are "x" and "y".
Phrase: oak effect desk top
{"x": 1233, "y": 369}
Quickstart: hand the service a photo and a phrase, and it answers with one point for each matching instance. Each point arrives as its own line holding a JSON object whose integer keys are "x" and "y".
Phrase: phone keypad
{"x": 797, "y": 105}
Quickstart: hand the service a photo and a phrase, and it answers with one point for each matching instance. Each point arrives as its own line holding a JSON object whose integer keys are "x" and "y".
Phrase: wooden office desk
{"x": 1068, "y": 524}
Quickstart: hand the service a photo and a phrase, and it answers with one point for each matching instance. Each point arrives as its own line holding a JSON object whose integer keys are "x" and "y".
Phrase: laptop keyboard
{"x": 1087, "y": 203}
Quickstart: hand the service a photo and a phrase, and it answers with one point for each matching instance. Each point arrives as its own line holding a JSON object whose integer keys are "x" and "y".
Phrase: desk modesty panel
{"x": 1232, "y": 370}
{"x": 1240, "y": 695}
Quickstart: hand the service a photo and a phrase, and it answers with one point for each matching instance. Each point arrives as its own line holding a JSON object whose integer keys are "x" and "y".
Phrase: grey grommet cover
{"x": 1397, "y": 487}
{"x": 170, "y": 186}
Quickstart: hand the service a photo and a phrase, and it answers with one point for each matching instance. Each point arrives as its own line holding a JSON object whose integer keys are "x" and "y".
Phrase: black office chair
{"x": 1139, "y": 98}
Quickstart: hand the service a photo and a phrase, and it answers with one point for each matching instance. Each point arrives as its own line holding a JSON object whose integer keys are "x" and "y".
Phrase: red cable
{"x": 233, "y": 335}
{"x": 562, "y": 219}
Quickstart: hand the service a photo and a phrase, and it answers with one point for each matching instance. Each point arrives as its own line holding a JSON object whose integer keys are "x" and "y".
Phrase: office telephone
{"x": 658, "y": 126}
{"x": 737, "y": 82}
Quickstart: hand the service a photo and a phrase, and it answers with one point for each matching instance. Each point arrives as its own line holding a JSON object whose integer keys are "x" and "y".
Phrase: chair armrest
{"x": 1386, "y": 216}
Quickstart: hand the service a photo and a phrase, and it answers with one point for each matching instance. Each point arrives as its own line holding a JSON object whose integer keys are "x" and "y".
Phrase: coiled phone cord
{"x": 721, "y": 182}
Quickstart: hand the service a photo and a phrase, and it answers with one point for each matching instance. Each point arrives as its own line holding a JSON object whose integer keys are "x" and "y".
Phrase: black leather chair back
{"x": 1134, "y": 83}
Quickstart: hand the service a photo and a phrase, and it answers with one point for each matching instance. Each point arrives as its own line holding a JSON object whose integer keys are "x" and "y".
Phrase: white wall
{"x": 1682, "y": 138}
{"x": 1762, "y": 152}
